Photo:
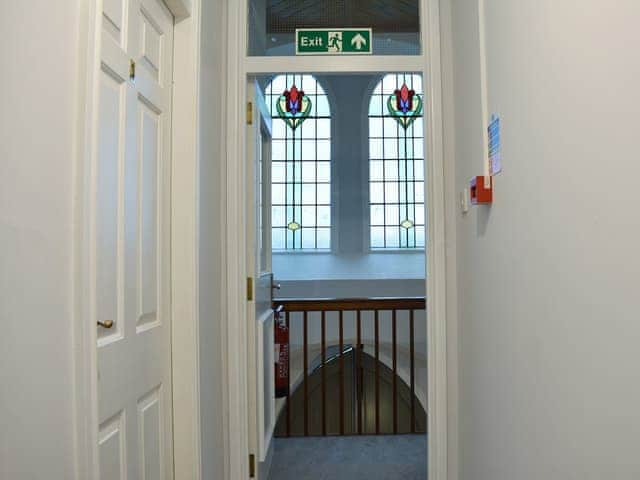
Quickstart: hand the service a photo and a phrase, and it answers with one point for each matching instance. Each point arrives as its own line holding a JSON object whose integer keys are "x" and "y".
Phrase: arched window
{"x": 301, "y": 156}
{"x": 396, "y": 163}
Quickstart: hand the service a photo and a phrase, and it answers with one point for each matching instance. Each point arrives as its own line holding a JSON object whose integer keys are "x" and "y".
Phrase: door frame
{"x": 184, "y": 234}
{"x": 239, "y": 67}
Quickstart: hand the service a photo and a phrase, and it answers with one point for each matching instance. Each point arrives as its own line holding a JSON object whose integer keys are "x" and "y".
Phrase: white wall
{"x": 38, "y": 89}
{"x": 351, "y": 288}
{"x": 350, "y": 266}
{"x": 548, "y": 276}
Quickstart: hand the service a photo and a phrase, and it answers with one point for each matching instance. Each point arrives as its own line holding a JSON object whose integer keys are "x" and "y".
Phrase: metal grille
{"x": 395, "y": 23}
{"x": 396, "y": 170}
{"x": 301, "y": 170}
{"x": 382, "y": 15}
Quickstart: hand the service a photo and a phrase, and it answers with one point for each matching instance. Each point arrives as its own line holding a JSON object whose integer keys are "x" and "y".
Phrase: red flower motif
{"x": 404, "y": 99}
{"x": 294, "y": 100}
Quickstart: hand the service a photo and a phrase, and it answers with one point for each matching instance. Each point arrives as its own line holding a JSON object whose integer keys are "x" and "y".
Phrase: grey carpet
{"x": 399, "y": 457}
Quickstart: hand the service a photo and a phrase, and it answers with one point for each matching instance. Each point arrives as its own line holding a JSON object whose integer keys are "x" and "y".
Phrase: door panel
{"x": 114, "y": 13}
{"x": 260, "y": 322}
{"x": 150, "y": 134}
{"x": 265, "y": 361}
{"x": 153, "y": 53}
{"x": 151, "y": 44}
{"x": 132, "y": 257}
{"x": 111, "y": 447}
{"x": 150, "y": 434}
{"x": 111, "y": 150}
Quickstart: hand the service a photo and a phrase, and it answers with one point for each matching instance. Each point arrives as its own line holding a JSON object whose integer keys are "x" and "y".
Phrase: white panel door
{"x": 131, "y": 289}
{"x": 261, "y": 375}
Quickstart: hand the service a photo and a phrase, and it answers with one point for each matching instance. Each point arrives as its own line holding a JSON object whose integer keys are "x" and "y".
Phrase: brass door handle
{"x": 106, "y": 324}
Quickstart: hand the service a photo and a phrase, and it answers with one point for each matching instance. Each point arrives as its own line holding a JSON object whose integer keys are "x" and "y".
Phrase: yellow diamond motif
{"x": 293, "y": 226}
{"x": 407, "y": 224}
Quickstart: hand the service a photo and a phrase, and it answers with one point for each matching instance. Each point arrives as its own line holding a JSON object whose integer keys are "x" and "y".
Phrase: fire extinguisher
{"x": 281, "y": 334}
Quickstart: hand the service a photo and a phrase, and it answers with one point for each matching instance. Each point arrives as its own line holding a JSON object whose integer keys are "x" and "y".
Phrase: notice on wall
{"x": 495, "y": 145}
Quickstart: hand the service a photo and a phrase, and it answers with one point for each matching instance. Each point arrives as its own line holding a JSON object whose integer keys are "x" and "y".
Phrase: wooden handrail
{"x": 350, "y": 304}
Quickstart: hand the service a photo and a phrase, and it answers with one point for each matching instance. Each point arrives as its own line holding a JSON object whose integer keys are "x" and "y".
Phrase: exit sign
{"x": 333, "y": 41}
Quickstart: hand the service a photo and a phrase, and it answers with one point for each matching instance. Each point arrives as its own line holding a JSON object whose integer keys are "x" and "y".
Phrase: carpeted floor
{"x": 399, "y": 457}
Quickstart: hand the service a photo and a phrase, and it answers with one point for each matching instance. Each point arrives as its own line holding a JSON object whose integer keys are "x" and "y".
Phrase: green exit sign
{"x": 333, "y": 41}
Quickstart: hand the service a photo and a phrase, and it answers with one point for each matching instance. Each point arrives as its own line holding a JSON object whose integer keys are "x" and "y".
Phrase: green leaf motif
{"x": 294, "y": 121}
{"x": 405, "y": 119}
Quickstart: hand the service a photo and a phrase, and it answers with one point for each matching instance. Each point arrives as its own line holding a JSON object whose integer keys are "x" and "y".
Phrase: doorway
{"x": 130, "y": 258}
{"x": 346, "y": 222}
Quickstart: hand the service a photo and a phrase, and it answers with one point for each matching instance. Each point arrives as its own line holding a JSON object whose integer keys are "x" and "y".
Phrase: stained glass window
{"x": 396, "y": 163}
{"x": 301, "y": 168}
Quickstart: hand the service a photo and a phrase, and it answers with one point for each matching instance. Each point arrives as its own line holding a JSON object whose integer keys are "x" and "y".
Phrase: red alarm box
{"x": 481, "y": 195}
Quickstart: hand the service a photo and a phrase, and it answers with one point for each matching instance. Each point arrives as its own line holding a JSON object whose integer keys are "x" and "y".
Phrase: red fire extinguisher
{"x": 281, "y": 334}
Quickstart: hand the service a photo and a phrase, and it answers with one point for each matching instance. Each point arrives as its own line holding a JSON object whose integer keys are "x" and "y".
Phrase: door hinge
{"x": 252, "y": 466}
{"x": 249, "y": 289}
{"x": 132, "y": 69}
{"x": 249, "y": 113}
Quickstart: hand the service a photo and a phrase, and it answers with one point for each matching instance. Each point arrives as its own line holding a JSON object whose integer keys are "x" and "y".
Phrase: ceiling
{"x": 284, "y": 16}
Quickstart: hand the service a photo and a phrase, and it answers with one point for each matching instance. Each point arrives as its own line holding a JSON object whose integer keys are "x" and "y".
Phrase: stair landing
{"x": 350, "y": 458}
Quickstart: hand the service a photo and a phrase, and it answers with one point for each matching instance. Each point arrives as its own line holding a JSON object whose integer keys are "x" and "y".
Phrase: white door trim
{"x": 185, "y": 227}
{"x": 233, "y": 244}
{"x": 437, "y": 384}
{"x": 239, "y": 66}
{"x": 85, "y": 334}
{"x": 184, "y": 242}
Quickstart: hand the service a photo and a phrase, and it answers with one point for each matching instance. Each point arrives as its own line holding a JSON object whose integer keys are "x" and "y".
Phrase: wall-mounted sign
{"x": 495, "y": 146}
{"x": 332, "y": 41}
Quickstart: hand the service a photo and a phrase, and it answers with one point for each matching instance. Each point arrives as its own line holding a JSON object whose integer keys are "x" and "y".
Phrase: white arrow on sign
{"x": 358, "y": 41}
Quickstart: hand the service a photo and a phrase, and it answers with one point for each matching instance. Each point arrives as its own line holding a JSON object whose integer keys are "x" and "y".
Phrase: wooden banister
{"x": 376, "y": 305}
{"x": 350, "y": 304}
